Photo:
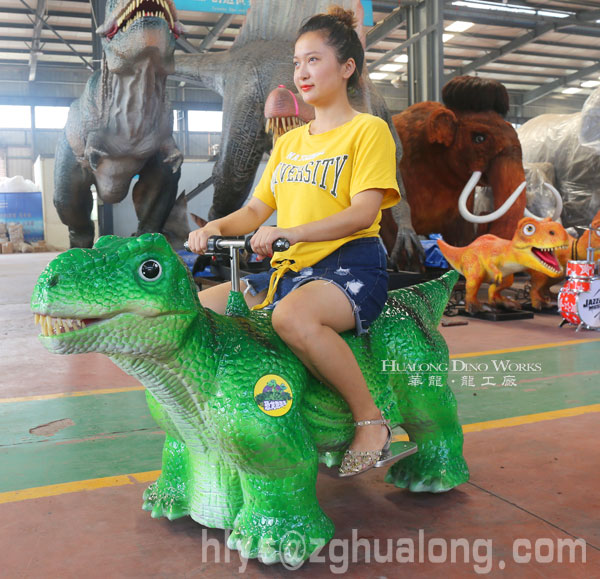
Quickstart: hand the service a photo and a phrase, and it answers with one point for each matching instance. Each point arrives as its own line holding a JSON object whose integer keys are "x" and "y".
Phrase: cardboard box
{"x": 7, "y": 247}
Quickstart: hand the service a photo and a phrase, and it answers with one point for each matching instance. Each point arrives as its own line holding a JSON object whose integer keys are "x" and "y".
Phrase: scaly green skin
{"x": 226, "y": 463}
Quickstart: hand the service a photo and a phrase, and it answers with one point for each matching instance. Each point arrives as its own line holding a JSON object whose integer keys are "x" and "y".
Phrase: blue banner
{"x": 241, "y": 7}
{"x": 368, "y": 8}
{"x": 223, "y": 6}
{"x": 26, "y": 209}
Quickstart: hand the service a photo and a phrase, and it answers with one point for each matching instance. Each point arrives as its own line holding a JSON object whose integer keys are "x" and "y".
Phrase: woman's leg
{"x": 215, "y": 298}
{"x": 309, "y": 320}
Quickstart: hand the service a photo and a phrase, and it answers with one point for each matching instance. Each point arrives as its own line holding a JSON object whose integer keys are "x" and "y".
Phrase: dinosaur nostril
{"x": 53, "y": 281}
{"x": 552, "y": 232}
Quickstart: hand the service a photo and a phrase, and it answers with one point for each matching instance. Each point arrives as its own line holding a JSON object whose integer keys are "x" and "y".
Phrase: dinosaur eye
{"x": 529, "y": 229}
{"x": 150, "y": 270}
{"x": 478, "y": 138}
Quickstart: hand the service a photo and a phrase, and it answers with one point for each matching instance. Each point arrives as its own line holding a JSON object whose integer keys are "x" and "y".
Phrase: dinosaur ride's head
{"x": 125, "y": 296}
{"x": 537, "y": 241}
{"x": 139, "y": 29}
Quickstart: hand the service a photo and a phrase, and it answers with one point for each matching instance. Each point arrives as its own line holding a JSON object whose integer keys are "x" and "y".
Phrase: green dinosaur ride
{"x": 246, "y": 424}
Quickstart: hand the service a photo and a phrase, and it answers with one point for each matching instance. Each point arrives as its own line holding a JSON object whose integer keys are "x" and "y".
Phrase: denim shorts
{"x": 358, "y": 268}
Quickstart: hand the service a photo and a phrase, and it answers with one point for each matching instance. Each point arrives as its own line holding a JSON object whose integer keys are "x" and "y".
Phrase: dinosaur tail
{"x": 425, "y": 302}
{"x": 451, "y": 253}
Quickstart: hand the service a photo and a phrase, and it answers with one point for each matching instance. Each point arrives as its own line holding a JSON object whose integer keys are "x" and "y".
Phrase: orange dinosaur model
{"x": 577, "y": 250}
{"x": 495, "y": 260}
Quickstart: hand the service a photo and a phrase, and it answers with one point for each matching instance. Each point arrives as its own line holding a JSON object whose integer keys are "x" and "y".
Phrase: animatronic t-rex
{"x": 259, "y": 61}
{"x": 495, "y": 261}
{"x": 444, "y": 146}
{"x": 571, "y": 144}
{"x": 577, "y": 249}
{"x": 246, "y": 423}
{"x": 122, "y": 124}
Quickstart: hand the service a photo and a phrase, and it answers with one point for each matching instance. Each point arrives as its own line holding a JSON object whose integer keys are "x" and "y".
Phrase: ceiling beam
{"x": 516, "y": 43}
{"x": 392, "y": 21}
{"x": 215, "y": 32}
{"x": 35, "y": 40}
{"x": 50, "y": 27}
{"x": 549, "y": 87}
{"x": 186, "y": 46}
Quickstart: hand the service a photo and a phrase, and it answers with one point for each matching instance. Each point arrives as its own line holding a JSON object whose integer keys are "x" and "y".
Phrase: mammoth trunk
{"x": 506, "y": 176}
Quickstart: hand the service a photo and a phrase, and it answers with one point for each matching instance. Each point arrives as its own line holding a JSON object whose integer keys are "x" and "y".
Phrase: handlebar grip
{"x": 280, "y": 244}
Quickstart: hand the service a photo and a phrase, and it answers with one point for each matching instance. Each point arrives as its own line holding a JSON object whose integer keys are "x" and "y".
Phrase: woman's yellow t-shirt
{"x": 309, "y": 177}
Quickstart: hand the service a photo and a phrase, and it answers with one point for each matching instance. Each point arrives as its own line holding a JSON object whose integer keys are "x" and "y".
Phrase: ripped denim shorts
{"x": 358, "y": 268}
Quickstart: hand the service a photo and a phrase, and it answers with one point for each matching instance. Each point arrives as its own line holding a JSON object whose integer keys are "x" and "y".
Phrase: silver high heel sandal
{"x": 359, "y": 461}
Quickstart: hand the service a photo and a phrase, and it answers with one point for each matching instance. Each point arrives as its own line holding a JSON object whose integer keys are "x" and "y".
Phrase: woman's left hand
{"x": 262, "y": 240}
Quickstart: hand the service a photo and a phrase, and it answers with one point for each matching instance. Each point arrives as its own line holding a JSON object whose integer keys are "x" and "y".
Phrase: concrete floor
{"x": 78, "y": 447}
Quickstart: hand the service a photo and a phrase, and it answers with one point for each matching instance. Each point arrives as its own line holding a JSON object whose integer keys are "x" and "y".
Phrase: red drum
{"x": 578, "y": 284}
{"x": 567, "y": 305}
{"x": 580, "y": 269}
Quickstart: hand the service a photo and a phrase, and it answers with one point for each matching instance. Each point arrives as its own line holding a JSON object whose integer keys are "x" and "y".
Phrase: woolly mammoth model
{"x": 571, "y": 144}
{"x": 122, "y": 124}
{"x": 466, "y": 142}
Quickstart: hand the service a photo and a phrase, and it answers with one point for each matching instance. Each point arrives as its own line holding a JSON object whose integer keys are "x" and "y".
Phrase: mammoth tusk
{"x": 557, "y": 209}
{"x": 464, "y": 196}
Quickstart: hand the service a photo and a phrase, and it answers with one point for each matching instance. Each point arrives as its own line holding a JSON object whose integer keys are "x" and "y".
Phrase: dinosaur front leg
{"x": 72, "y": 195}
{"x": 281, "y": 519}
{"x": 277, "y": 461}
{"x": 193, "y": 481}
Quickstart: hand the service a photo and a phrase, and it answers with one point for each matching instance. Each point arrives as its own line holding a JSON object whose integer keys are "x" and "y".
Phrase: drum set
{"x": 579, "y": 298}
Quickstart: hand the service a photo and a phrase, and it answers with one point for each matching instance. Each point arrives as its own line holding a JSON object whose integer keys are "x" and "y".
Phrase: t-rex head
{"x": 125, "y": 296}
{"x": 537, "y": 241}
{"x": 139, "y": 29}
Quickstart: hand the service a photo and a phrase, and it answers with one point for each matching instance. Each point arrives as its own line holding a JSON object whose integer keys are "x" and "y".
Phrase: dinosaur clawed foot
{"x": 163, "y": 500}
{"x": 289, "y": 540}
{"x": 430, "y": 471}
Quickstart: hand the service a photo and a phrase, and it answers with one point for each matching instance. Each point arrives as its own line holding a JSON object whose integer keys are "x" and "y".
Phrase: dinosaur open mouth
{"x": 547, "y": 257}
{"x": 54, "y": 326}
{"x": 137, "y": 9}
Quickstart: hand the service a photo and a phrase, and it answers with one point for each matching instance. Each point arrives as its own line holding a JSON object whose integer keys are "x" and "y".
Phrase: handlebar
{"x": 231, "y": 246}
{"x": 219, "y": 244}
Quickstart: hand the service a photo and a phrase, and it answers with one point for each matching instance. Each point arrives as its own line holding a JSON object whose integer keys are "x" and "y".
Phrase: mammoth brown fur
{"x": 443, "y": 145}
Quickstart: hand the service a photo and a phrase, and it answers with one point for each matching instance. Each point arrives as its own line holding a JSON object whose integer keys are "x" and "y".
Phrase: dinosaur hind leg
{"x": 428, "y": 409}
{"x": 497, "y": 299}
{"x": 72, "y": 196}
{"x": 154, "y": 195}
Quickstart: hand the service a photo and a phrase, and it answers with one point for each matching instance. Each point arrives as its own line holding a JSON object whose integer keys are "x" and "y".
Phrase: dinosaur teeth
{"x": 54, "y": 326}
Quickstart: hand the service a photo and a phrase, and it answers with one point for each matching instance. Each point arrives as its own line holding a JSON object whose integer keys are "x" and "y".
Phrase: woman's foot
{"x": 371, "y": 439}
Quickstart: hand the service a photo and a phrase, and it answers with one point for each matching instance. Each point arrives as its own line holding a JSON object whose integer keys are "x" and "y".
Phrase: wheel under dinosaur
{"x": 246, "y": 424}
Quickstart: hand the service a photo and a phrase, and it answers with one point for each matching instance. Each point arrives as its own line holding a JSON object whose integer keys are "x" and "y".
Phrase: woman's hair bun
{"x": 346, "y": 17}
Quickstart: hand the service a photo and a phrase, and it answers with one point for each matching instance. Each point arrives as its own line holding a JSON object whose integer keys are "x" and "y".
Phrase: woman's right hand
{"x": 198, "y": 238}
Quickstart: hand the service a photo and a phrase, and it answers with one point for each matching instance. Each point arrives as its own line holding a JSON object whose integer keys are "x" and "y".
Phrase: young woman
{"x": 328, "y": 182}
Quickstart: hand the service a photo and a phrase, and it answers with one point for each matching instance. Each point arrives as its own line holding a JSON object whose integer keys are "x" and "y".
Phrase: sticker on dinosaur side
{"x": 273, "y": 395}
